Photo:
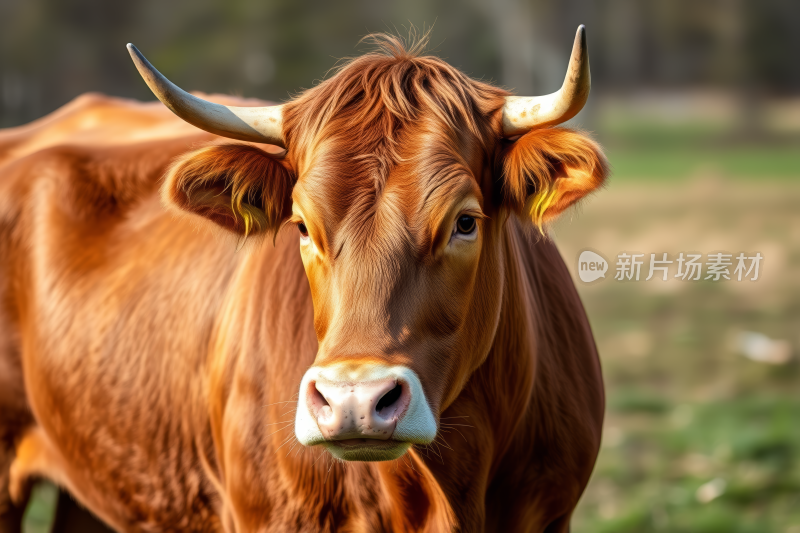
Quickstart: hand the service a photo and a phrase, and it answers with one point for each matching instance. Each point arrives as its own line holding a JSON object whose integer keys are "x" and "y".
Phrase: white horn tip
{"x": 134, "y": 52}
{"x": 580, "y": 35}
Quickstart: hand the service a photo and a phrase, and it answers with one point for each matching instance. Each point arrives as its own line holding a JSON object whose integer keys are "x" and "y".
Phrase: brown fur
{"x": 161, "y": 365}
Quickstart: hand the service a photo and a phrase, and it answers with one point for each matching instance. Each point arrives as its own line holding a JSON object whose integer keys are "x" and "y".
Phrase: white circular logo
{"x": 591, "y": 266}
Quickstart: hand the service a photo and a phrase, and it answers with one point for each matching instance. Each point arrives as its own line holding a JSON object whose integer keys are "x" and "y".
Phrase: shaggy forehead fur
{"x": 391, "y": 120}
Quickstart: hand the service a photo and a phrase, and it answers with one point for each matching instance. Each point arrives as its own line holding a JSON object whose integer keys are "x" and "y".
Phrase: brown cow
{"x": 420, "y": 362}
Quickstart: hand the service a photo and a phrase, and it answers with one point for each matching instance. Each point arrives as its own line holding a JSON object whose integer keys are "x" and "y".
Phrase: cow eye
{"x": 303, "y": 229}
{"x": 465, "y": 225}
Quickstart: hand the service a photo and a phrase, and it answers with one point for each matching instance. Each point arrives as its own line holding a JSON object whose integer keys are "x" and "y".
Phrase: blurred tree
{"x": 772, "y": 43}
{"x": 53, "y": 50}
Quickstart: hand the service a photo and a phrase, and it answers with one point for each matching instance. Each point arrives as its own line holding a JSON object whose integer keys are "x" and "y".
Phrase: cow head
{"x": 400, "y": 174}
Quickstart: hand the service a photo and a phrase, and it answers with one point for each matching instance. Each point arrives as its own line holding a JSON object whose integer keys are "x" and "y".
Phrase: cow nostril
{"x": 316, "y": 397}
{"x": 390, "y": 398}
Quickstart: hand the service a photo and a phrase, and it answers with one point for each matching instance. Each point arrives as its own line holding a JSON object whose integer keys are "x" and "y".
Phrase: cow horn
{"x": 256, "y": 124}
{"x": 523, "y": 113}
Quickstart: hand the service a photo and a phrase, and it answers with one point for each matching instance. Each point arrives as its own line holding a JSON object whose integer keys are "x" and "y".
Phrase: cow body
{"x": 151, "y": 366}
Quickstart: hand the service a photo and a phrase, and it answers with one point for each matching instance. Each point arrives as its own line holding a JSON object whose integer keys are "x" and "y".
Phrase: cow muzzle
{"x": 363, "y": 412}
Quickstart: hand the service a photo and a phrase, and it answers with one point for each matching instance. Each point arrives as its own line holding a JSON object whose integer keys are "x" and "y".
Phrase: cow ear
{"x": 237, "y": 186}
{"x": 547, "y": 170}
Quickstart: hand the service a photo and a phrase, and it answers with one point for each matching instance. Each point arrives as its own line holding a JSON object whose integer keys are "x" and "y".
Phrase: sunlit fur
{"x": 152, "y": 368}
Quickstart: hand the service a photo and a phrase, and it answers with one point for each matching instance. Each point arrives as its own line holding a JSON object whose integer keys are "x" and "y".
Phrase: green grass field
{"x": 41, "y": 510}
{"x": 650, "y": 148}
{"x": 747, "y": 162}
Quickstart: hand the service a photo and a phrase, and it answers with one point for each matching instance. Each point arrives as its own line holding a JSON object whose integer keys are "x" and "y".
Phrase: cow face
{"x": 393, "y": 253}
{"x": 400, "y": 186}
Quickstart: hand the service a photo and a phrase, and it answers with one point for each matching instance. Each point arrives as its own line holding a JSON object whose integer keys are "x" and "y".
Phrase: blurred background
{"x": 697, "y": 103}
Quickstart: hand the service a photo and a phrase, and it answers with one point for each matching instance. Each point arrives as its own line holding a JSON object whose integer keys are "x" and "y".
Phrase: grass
{"x": 651, "y": 147}
{"x": 41, "y": 510}
{"x": 671, "y": 163}
{"x": 650, "y": 473}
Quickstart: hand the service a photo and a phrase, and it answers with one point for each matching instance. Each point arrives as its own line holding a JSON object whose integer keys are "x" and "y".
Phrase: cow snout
{"x": 361, "y": 410}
